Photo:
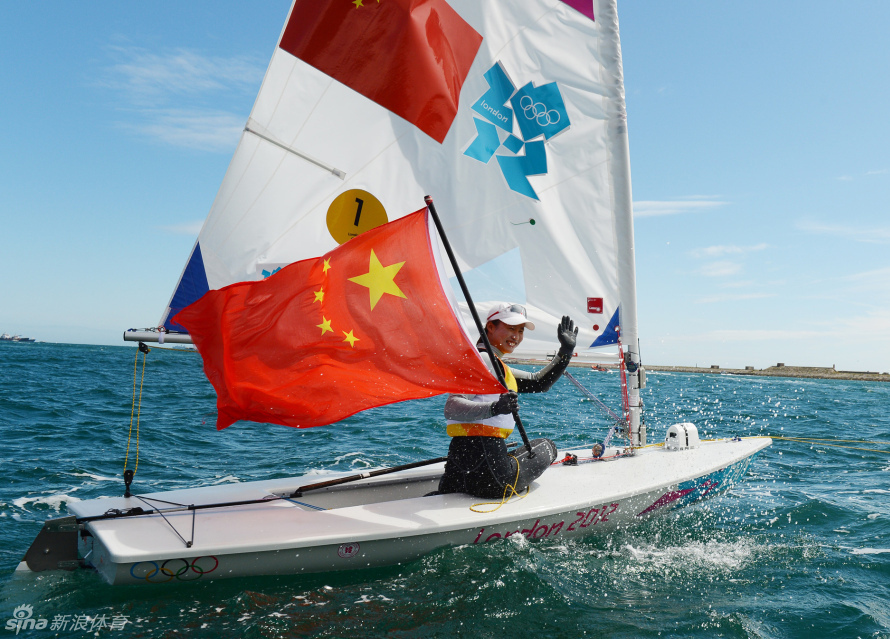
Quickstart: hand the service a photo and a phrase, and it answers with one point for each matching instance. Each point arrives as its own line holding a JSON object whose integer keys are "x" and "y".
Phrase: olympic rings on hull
{"x": 179, "y": 569}
{"x": 538, "y": 110}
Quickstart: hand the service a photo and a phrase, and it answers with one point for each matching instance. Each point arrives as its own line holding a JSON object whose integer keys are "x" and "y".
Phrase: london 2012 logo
{"x": 538, "y": 112}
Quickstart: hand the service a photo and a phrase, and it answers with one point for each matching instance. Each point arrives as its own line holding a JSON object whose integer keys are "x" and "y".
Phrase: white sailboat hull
{"x": 387, "y": 520}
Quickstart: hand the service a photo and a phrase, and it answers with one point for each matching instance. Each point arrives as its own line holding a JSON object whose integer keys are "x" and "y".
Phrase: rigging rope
{"x": 624, "y": 396}
{"x": 137, "y": 410}
{"x": 596, "y": 400}
{"x": 620, "y": 425}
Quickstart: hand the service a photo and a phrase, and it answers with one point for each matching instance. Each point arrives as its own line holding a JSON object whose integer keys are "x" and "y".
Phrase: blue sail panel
{"x": 192, "y": 286}
{"x": 610, "y": 334}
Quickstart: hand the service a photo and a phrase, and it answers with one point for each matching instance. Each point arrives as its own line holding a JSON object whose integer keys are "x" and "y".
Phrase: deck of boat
{"x": 389, "y": 507}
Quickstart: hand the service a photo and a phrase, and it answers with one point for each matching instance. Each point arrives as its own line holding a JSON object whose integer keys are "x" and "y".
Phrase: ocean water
{"x": 800, "y": 548}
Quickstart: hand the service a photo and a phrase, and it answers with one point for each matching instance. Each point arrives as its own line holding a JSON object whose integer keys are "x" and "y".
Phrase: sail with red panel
{"x": 509, "y": 112}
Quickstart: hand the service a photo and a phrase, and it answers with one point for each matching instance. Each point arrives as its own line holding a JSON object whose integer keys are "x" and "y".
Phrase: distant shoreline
{"x": 805, "y": 372}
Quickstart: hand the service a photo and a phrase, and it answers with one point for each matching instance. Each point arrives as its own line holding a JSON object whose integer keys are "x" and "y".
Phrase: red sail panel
{"x": 409, "y": 56}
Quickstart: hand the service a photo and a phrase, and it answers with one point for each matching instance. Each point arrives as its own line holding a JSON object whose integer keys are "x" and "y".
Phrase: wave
{"x": 53, "y": 501}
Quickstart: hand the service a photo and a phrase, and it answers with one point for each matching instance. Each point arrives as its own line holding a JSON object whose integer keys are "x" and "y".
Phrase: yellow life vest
{"x": 495, "y": 426}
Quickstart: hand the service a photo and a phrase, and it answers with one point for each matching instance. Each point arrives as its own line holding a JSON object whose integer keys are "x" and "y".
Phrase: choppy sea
{"x": 800, "y": 548}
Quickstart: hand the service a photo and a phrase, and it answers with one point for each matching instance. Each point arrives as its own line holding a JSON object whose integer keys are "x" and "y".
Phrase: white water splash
{"x": 96, "y": 477}
{"x": 53, "y": 501}
{"x": 874, "y": 515}
{"x": 869, "y": 551}
{"x": 319, "y": 471}
{"x": 712, "y": 555}
{"x": 371, "y": 598}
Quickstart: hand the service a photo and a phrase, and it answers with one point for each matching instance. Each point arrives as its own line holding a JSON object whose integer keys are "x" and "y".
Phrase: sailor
{"x": 478, "y": 460}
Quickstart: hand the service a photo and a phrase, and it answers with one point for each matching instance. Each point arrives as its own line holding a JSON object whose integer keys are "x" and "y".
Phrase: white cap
{"x": 512, "y": 314}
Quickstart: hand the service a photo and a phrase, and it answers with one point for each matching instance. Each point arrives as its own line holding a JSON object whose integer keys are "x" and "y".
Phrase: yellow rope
{"x": 810, "y": 440}
{"x": 138, "y": 411}
{"x": 504, "y": 497}
{"x": 132, "y": 408}
{"x": 845, "y": 441}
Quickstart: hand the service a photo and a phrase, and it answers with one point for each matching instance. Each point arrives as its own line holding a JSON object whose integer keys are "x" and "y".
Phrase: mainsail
{"x": 510, "y": 113}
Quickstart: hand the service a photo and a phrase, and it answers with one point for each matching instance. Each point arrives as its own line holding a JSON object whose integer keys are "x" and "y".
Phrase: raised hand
{"x": 567, "y": 333}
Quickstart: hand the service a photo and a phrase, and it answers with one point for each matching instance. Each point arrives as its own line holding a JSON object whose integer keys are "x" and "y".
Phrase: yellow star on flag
{"x": 319, "y": 296}
{"x": 352, "y": 339}
{"x": 357, "y": 3}
{"x": 326, "y": 266}
{"x": 379, "y": 280}
{"x": 325, "y": 325}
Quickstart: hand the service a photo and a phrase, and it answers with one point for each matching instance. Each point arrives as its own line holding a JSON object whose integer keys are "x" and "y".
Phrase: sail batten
{"x": 303, "y": 156}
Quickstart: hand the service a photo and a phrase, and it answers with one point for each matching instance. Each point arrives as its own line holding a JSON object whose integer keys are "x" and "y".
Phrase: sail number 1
{"x": 352, "y": 213}
{"x": 358, "y": 210}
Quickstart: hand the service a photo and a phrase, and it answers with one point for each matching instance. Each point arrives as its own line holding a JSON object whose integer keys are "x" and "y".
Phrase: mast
{"x": 607, "y": 16}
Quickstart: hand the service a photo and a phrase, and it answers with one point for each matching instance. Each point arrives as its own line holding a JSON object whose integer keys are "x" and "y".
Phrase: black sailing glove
{"x": 541, "y": 381}
{"x": 506, "y": 404}
{"x": 567, "y": 333}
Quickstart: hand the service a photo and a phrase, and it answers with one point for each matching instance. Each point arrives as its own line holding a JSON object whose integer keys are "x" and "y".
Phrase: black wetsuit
{"x": 484, "y": 467}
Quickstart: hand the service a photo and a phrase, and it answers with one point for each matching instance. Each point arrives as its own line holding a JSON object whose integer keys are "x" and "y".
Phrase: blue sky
{"x": 760, "y": 154}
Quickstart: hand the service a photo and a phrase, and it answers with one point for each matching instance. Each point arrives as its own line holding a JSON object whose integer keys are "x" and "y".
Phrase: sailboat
{"x": 511, "y": 113}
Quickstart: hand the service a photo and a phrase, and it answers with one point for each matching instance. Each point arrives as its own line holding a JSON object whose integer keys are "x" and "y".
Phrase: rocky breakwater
{"x": 781, "y": 370}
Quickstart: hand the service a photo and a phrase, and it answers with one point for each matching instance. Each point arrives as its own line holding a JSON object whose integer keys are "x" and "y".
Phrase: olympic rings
{"x": 538, "y": 111}
{"x": 155, "y": 574}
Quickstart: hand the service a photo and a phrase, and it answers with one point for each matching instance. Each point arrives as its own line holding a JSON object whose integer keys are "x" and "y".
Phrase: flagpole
{"x": 463, "y": 287}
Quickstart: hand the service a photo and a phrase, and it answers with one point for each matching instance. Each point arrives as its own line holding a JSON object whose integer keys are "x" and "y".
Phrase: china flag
{"x": 365, "y": 325}
{"x": 408, "y": 56}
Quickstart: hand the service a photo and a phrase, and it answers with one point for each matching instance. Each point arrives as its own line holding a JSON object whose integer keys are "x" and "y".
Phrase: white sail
{"x": 532, "y": 172}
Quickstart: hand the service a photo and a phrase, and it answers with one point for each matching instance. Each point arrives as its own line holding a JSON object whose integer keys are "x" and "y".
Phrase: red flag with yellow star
{"x": 365, "y": 325}
{"x": 408, "y": 56}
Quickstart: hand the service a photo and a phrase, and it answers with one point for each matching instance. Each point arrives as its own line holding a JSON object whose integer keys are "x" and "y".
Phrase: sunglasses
{"x": 512, "y": 308}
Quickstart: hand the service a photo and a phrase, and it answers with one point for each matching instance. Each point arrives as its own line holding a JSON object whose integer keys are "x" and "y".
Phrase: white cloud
{"x": 878, "y": 235}
{"x": 175, "y": 97}
{"x": 187, "y": 228}
{"x": 875, "y": 325}
{"x": 693, "y": 204}
{"x": 850, "y": 178}
{"x": 720, "y": 251}
{"x": 738, "y": 284}
{"x": 881, "y": 274}
{"x": 875, "y": 284}
{"x": 721, "y": 269}
{"x": 155, "y": 78}
{"x": 761, "y": 335}
{"x": 716, "y": 299}
{"x": 197, "y": 129}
